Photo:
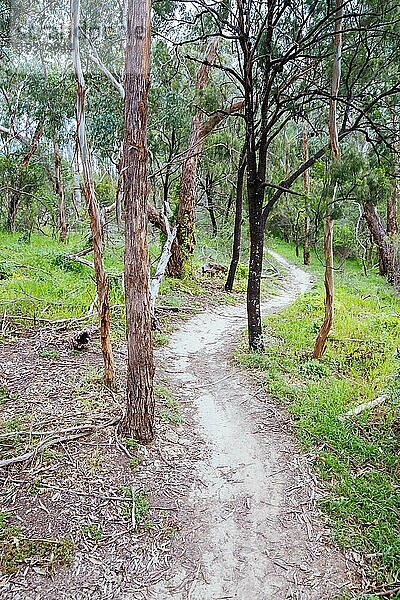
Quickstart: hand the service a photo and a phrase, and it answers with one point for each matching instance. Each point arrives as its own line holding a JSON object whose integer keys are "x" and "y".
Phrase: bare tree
{"x": 237, "y": 229}
{"x": 91, "y": 202}
{"x": 138, "y": 421}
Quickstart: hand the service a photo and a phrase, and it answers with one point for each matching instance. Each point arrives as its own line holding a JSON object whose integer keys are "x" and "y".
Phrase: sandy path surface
{"x": 254, "y": 532}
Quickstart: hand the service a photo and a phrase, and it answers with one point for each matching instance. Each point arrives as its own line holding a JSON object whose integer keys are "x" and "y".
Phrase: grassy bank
{"x": 39, "y": 281}
{"x": 357, "y": 457}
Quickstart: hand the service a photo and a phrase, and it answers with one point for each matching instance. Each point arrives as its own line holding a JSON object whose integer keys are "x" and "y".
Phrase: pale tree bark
{"x": 91, "y": 203}
{"x": 306, "y": 185}
{"x": 59, "y": 189}
{"x": 138, "y": 420}
{"x": 320, "y": 343}
{"x": 161, "y": 268}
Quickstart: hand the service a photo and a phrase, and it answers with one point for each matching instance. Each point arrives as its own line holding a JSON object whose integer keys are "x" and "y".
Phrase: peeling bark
{"x": 91, "y": 203}
{"x": 320, "y": 343}
{"x": 138, "y": 420}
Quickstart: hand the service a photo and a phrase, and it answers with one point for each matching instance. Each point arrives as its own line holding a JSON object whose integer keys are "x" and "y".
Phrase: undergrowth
{"x": 39, "y": 281}
{"x": 357, "y": 457}
{"x": 16, "y": 550}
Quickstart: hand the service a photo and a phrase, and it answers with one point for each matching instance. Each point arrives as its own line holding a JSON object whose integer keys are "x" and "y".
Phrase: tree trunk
{"x": 160, "y": 271}
{"x": 59, "y": 189}
{"x": 297, "y": 234}
{"x": 120, "y": 191}
{"x": 210, "y": 204}
{"x": 185, "y": 239}
{"x": 92, "y": 204}
{"x": 237, "y": 232}
{"x": 378, "y": 234}
{"x": 76, "y": 183}
{"x": 320, "y": 343}
{"x": 392, "y": 220}
{"x": 16, "y": 194}
{"x": 13, "y": 204}
{"x": 228, "y": 209}
{"x": 255, "y": 183}
{"x": 138, "y": 421}
{"x": 255, "y": 270}
{"x": 306, "y": 183}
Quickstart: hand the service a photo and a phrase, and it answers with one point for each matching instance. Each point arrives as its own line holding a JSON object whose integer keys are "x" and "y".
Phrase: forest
{"x": 199, "y": 299}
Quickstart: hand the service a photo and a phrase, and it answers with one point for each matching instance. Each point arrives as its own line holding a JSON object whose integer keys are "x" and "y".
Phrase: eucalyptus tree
{"x": 281, "y": 66}
{"x": 91, "y": 201}
{"x": 320, "y": 342}
{"x": 138, "y": 421}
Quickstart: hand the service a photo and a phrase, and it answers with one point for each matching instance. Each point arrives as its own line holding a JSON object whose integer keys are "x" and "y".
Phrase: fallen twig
{"x": 365, "y": 406}
{"x": 81, "y": 260}
{"x": 133, "y": 516}
{"x": 387, "y": 593}
{"x": 51, "y": 441}
{"x": 57, "y": 431}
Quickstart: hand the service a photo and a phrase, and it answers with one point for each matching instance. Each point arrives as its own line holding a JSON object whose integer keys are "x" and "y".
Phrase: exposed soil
{"x": 232, "y": 498}
{"x": 255, "y": 532}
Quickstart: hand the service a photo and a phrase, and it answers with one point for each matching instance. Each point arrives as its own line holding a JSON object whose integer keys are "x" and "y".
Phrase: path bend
{"x": 254, "y": 532}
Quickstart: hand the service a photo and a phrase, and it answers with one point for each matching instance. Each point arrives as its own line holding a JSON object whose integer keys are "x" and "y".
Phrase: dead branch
{"x": 81, "y": 260}
{"x": 162, "y": 266}
{"x": 50, "y": 441}
{"x": 365, "y": 406}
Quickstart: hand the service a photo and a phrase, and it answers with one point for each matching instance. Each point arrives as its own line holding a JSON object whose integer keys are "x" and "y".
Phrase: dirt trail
{"x": 254, "y": 532}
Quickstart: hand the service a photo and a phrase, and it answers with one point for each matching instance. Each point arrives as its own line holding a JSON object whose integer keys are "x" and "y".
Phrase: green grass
{"x": 39, "y": 281}
{"x": 172, "y": 414}
{"x": 358, "y": 458}
{"x": 92, "y": 532}
{"x": 16, "y": 550}
{"x": 142, "y": 506}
